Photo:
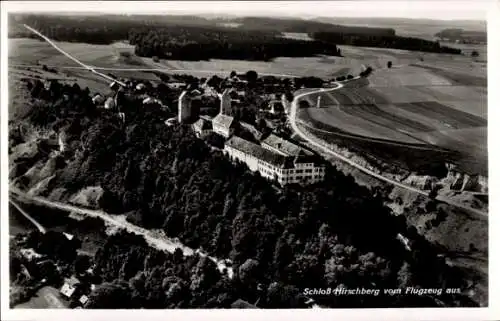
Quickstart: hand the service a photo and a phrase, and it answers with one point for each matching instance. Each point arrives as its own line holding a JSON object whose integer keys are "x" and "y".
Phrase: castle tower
{"x": 225, "y": 102}
{"x": 184, "y": 107}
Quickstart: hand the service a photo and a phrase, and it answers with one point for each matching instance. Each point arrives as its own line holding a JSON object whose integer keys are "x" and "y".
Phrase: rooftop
{"x": 285, "y": 147}
{"x": 259, "y": 152}
{"x": 224, "y": 120}
{"x": 203, "y": 124}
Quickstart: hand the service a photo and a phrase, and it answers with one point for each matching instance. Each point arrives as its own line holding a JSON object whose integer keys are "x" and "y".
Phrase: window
{"x": 308, "y": 170}
{"x": 298, "y": 171}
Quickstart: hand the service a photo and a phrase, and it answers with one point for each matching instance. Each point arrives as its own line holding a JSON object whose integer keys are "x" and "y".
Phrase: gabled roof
{"x": 254, "y": 131}
{"x": 285, "y": 147}
{"x": 203, "y": 124}
{"x": 259, "y": 152}
{"x": 224, "y": 121}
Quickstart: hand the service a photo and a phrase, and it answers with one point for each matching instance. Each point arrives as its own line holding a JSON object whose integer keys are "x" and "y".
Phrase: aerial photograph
{"x": 206, "y": 156}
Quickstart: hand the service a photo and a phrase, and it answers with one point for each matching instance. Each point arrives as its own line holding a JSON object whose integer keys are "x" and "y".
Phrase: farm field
{"x": 407, "y": 105}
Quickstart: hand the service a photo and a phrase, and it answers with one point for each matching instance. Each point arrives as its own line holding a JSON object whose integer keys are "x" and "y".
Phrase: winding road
{"x": 316, "y": 142}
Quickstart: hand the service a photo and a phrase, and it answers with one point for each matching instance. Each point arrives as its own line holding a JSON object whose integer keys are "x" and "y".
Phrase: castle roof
{"x": 224, "y": 121}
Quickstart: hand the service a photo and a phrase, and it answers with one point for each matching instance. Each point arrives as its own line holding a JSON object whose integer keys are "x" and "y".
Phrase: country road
{"x": 293, "y": 122}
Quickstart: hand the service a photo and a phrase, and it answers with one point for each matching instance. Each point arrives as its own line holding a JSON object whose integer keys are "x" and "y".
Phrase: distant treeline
{"x": 307, "y": 26}
{"x": 196, "y": 38}
{"x": 395, "y": 42}
{"x": 197, "y": 43}
{"x": 171, "y": 38}
{"x": 463, "y": 36}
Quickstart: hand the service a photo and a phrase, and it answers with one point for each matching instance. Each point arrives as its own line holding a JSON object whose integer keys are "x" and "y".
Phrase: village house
{"x": 70, "y": 287}
{"x": 284, "y": 164}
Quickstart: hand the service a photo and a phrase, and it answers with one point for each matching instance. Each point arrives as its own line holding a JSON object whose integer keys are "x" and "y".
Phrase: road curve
{"x": 298, "y": 131}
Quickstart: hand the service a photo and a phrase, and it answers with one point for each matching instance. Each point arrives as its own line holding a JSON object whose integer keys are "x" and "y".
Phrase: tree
{"x": 232, "y": 74}
{"x": 474, "y": 53}
{"x": 252, "y": 76}
{"x": 389, "y": 64}
{"x": 248, "y": 271}
{"x": 350, "y": 76}
{"x": 115, "y": 295}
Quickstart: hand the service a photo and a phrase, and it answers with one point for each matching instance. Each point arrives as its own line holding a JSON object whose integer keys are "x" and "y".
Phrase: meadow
{"x": 443, "y": 108}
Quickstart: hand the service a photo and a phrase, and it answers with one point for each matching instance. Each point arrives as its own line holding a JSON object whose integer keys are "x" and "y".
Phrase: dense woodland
{"x": 203, "y": 44}
{"x": 395, "y": 42}
{"x": 280, "y": 241}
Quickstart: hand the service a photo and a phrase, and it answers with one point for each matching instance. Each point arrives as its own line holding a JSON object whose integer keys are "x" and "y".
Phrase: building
{"x": 184, "y": 107}
{"x": 83, "y": 299}
{"x": 203, "y": 127}
{"x": 284, "y": 164}
{"x": 70, "y": 287}
{"x": 257, "y": 135}
{"x": 110, "y": 103}
{"x": 284, "y": 147}
{"x": 98, "y": 99}
{"x": 225, "y": 102}
{"x": 286, "y": 104}
{"x": 224, "y": 125}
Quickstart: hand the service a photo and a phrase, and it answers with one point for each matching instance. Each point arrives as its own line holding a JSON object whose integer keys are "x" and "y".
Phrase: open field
{"x": 434, "y": 107}
{"x": 120, "y": 55}
{"x": 46, "y": 298}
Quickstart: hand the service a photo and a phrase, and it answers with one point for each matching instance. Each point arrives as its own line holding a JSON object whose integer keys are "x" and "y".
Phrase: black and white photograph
{"x": 227, "y": 155}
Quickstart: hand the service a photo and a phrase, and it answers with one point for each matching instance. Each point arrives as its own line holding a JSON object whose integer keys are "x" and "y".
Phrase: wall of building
{"x": 184, "y": 107}
{"x": 306, "y": 173}
{"x": 222, "y": 130}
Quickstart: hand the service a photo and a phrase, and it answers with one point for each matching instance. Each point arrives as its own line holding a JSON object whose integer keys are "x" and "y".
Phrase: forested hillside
{"x": 332, "y": 234}
{"x": 395, "y": 42}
